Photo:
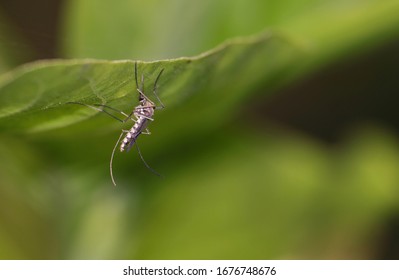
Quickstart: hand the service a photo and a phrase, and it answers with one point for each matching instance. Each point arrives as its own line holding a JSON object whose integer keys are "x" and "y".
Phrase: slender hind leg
{"x": 112, "y": 158}
{"x": 145, "y": 163}
{"x": 95, "y": 107}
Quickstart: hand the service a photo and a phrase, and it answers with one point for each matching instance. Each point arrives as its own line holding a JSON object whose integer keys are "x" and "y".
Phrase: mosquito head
{"x": 141, "y": 98}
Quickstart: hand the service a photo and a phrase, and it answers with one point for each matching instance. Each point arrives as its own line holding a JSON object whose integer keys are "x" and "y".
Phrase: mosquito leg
{"x": 145, "y": 163}
{"x": 97, "y": 109}
{"x": 155, "y": 89}
{"x": 131, "y": 117}
{"x": 143, "y": 107}
{"x": 112, "y": 159}
{"x": 148, "y": 118}
{"x": 111, "y": 108}
{"x": 135, "y": 75}
{"x": 142, "y": 83}
{"x": 143, "y": 95}
{"x": 141, "y": 88}
{"x": 128, "y": 117}
{"x": 147, "y": 132}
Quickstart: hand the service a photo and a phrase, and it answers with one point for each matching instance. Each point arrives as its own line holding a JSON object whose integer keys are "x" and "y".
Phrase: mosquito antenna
{"x": 145, "y": 163}
{"x": 112, "y": 159}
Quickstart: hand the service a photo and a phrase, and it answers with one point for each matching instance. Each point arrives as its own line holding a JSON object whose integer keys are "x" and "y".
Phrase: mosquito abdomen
{"x": 133, "y": 134}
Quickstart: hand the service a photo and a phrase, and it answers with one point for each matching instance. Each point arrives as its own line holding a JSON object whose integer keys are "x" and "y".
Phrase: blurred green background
{"x": 306, "y": 167}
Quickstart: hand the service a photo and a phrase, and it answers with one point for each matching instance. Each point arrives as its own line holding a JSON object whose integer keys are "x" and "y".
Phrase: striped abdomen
{"x": 133, "y": 133}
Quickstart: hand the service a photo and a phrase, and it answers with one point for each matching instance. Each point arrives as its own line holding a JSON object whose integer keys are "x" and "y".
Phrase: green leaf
{"x": 34, "y": 97}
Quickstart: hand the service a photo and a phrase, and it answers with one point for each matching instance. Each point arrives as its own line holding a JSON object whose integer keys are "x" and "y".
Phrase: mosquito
{"x": 141, "y": 115}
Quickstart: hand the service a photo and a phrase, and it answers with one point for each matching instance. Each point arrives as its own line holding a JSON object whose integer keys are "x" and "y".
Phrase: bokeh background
{"x": 308, "y": 169}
